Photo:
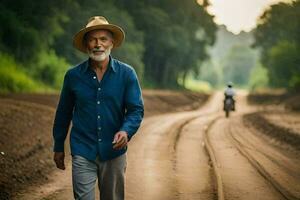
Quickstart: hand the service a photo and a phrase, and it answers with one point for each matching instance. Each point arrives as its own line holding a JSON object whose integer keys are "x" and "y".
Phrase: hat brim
{"x": 118, "y": 35}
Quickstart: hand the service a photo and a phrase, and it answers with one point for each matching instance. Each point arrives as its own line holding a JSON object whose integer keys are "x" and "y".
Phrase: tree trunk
{"x": 184, "y": 78}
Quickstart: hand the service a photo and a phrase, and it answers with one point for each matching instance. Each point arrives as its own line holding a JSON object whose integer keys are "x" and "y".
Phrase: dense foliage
{"x": 278, "y": 36}
{"x": 164, "y": 39}
{"x": 176, "y": 35}
{"x": 14, "y": 79}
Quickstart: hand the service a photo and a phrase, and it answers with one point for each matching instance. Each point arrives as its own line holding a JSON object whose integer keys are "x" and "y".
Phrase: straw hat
{"x": 98, "y": 22}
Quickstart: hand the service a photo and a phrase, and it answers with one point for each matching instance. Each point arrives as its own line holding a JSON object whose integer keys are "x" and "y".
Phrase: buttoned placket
{"x": 98, "y": 103}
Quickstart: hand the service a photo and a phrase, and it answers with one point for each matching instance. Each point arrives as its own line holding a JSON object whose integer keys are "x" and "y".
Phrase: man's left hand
{"x": 120, "y": 140}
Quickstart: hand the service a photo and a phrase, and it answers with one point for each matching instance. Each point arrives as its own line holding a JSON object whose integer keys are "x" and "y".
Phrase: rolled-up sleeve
{"x": 134, "y": 105}
{"x": 63, "y": 115}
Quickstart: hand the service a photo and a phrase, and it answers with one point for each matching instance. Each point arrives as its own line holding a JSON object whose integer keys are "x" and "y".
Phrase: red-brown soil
{"x": 26, "y": 133}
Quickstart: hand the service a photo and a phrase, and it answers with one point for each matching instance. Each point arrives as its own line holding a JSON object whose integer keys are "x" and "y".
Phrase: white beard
{"x": 100, "y": 57}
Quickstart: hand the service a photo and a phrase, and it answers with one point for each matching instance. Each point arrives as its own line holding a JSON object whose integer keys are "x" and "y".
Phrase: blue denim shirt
{"x": 98, "y": 110}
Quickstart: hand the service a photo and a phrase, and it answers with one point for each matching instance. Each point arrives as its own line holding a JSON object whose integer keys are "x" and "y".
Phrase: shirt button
{"x": 98, "y": 102}
{"x": 99, "y": 140}
{"x": 94, "y": 77}
{"x": 99, "y": 89}
{"x": 99, "y": 128}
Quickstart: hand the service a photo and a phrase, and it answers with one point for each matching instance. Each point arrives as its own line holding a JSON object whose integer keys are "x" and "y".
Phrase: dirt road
{"x": 199, "y": 155}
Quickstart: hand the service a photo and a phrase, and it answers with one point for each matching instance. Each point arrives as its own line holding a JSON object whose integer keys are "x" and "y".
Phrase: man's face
{"x": 99, "y": 44}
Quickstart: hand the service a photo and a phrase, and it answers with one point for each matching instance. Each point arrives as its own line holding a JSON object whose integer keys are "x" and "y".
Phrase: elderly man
{"x": 102, "y": 98}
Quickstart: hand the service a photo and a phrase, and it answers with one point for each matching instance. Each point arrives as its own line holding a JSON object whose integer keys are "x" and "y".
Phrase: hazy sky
{"x": 238, "y": 15}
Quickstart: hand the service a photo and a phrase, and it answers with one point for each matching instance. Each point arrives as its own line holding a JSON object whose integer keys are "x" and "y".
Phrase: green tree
{"x": 28, "y": 27}
{"x": 285, "y": 61}
{"x": 176, "y": 36}
{"x": 278, "y": 37}
{"x": 165, "y": 39}
{"x": 28, "y": 30}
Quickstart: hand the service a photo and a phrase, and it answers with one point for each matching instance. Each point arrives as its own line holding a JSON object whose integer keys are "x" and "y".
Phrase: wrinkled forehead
{"x": 99, "y": 32}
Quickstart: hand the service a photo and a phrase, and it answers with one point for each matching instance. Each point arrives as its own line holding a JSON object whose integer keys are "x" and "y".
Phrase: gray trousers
{"x": 110, "y": 174}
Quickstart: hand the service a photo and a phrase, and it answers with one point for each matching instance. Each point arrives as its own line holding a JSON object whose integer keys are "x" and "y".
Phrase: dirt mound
{"x": 26, "y": 133}
{"x": 25, "y": 142}
{"x": 43, "y": 99}
{"x": 290, "y": 101}
{"x": 293, "y": 103}
{"x": 271, "y": 124}
{"x": 156, "y": 101}
{"x": 163, "y": 101}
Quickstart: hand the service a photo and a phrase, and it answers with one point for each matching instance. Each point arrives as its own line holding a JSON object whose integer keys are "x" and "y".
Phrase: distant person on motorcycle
{"x": 230, "y": 93}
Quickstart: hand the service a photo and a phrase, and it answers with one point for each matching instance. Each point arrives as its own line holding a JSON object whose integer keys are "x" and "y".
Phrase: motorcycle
{"x": 228, "y": 106}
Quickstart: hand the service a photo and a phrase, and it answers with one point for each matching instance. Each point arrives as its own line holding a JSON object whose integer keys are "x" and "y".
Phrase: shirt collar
{"x": 111, "y": 64}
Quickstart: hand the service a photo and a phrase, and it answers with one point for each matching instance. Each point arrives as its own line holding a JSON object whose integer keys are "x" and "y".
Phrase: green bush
{"x": 284, "y": 65}
{"x": 13, "y": 79}
{"x": 49, "y": 68}
{"x": 195, "y": 85}
{"x": 294, "y": 83}
{"x": 258, "y": 77}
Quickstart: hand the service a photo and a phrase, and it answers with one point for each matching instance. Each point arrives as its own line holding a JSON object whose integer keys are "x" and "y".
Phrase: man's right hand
{"x": 59, "y": 159}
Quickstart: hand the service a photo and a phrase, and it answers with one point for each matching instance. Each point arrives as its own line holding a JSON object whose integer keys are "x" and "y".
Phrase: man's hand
{"x": 59, "y": 159}
{"x": 120, "y": 140}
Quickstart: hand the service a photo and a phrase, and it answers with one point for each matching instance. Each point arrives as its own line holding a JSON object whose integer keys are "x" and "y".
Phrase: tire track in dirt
{"x": 228, "y": 161}
{"x": 212, "y": 156}
{"x": 237, "y": 179}
{"x": 278, "y": 164}
{"x": 194, "y": 176}
{"x": 152, "y": 157}
{"x": 282, "y": 172}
